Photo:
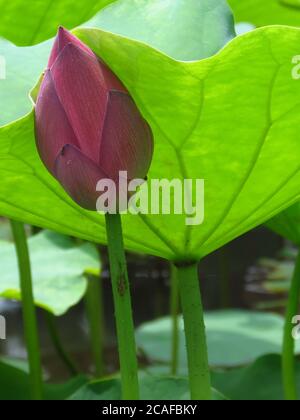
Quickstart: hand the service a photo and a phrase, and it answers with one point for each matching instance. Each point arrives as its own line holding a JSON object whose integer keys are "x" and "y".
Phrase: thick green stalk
{"x": 123, "y": 311}
{"x": 174, "y": 310}
{"x": 29, "y": 314}
{"x": 199, "y": 375}
{"x": 288, "y": 356}
{"x": 58, "y": 345}
{"x": 94, "y": 310}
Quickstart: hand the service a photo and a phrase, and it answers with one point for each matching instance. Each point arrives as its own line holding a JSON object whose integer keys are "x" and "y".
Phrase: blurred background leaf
{"x": 58, "y": 268}
{"x": 261, "y": 381}
{"x": 235, "y": 338}
{"x": 14, "y": 383}
{"x": 171, "y": 26}
{"x": 151, "y": 387}
{"x": 23, "y": 68}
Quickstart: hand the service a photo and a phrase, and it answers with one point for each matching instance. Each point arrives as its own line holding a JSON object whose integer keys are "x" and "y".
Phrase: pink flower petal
{"x": 81, "y": 89}
{"x": 127, "y": 142}
{"x": 52, "y": 128}
{"x": 111, "y": 80}
{"x": 79, "y": 176}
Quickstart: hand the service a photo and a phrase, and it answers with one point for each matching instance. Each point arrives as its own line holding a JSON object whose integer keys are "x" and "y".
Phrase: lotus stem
{"x": 174, "y": 310}
{"x": 29, "y": 312}
{"x": 123, "y": 311}
{"x": 288, "y": 352}
{"x": 199, "y": 374}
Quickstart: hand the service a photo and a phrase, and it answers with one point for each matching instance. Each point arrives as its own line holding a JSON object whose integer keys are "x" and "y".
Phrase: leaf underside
{"x": 230, "y": 120}
{"x": 287, "y": 224}
{"x": 183, "y": 30}
{"x": 30, "y": 22}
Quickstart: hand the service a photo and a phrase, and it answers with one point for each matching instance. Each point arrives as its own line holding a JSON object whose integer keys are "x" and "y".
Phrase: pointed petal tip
{"x": 63, "y": 38}
{"x": 61, "y": 30}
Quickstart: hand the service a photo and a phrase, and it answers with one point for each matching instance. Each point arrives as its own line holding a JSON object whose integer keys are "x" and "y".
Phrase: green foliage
{"x": 266, "y": 12}
{"x": 151, "y": 387}
{"x": 160, "y": 23}
{"x": 234, "y": 338}
{"x": 34, "y": 21}
{"x": 14, "y": 383}
{"x": 58, "y": 268}
{"x": 23, "y": 68}
{"x": 171, "y": 26}
{"x": 287, "y": 224}
{"x": 223, "y": 121}
{"x": 260, "y": 381}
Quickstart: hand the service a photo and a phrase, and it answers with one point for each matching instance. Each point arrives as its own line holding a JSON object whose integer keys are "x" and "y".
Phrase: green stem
{"x": 123, "y": 311}
{"x": 174, "y": 309}
{"x": 57, "y": 343}
{"x": 29, "y": 314}
{"x": 199, "y": 375}
{"x": 94, "y": 311}
{"x": 288, "y": 356}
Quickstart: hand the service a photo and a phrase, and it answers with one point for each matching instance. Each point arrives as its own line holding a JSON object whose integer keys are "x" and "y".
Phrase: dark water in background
{"x": 222, "y": 277}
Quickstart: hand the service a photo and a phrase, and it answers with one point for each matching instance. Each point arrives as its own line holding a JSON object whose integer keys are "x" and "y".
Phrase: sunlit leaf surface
{"x": 222, "y": 119}
{"x": 34, "y": 21}
{"x": 267, "y": 12}
{"x": 168, "y": 25}
{"x": 184, "y": 30}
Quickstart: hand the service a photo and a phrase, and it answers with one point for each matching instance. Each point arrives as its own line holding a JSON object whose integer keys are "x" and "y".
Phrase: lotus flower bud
{"x": 87, "y": 126}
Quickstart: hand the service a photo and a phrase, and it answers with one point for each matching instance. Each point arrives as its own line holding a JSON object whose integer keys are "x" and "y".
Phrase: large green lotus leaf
{"x": 23, "y": 66}
{"x": 158, "y": 22}
{"x": 287, "y": 223}
{"x": 15, "y": 383}
{"x": 184, "y": 30}
{"x": 260, "y": 381}
{"x": 224, "y": 119}
{"x": 57, "y": 269}
{"x": 152, "y": 387}
{"x": 234, "y": 338}
{"x": 34, "y": 21}
{"x": 267, "y": 12}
